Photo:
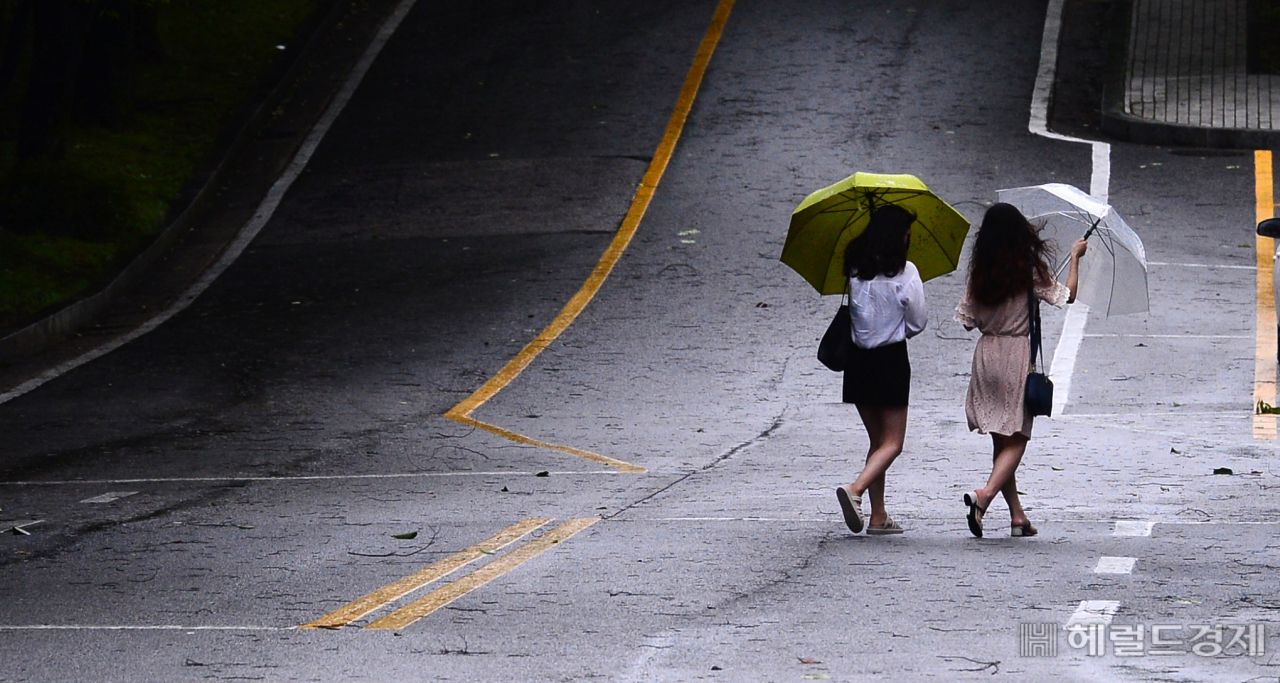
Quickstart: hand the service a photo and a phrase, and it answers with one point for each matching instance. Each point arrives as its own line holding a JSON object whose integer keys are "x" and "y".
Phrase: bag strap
{"x": 1033, "y": 314}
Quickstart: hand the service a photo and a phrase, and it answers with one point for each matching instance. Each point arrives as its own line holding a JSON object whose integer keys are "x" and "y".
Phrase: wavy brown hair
{"x": 1008, "y": 256}
{"x": 881, "y": 249}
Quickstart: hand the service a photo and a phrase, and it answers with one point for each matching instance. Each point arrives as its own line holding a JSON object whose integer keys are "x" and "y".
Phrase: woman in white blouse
{"x": 886, "y": 305}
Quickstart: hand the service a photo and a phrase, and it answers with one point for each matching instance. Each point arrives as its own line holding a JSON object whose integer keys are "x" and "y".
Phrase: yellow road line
{"x": 394, "y": 591}
{"x": 639, "y": 205}
{"x": 520, "y": 438}
{"x": 1264, "y": 369}
{"x": 452, "y": 591}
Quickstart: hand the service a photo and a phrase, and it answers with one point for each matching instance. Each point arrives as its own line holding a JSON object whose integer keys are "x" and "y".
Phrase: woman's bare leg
{"x": 1007, "y": 452}
{"x": 887, "y": 430}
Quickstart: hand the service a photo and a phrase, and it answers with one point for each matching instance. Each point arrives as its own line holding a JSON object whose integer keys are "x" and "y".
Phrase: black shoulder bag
{"x": 1039, "y": 397}
{"x": 837, "y": 342}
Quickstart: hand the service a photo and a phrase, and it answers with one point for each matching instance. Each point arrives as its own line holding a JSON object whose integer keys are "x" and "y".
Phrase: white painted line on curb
{"x": 1100, "y": 179}
{"x": 309, "y": 477}
{"x": 1094, "y": 612}
{"x": 109, "y": 497}
{"x": 1126, "y": 527}
{"x": 260, "y": 217}
{"x": 1064, "y": 354}
{"x": 1115, "y": 565}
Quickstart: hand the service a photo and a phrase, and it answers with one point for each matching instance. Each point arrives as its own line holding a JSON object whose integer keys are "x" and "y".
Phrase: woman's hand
{"x": 1079, "y": 248}
{"x": 1073, "y": 276}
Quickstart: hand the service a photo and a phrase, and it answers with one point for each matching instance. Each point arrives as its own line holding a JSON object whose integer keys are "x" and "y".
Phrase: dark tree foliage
{"x": 82, "y": 58}
{"x": 104, "y": 84}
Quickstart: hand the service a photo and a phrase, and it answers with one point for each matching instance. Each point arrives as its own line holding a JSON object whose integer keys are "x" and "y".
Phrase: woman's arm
{"x": 914, "y": 314}
{"x": 1073, "y": 276}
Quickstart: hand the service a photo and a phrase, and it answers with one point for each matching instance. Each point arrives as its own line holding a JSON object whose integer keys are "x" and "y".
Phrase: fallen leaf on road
{"x": 488, "y": 552}
{"x": 406, "y": 536}
{"x": 817, "y": 677}
{"x": 543, "y": 473}
{"x": 1175, "y": 451}
{"x": 1223, "y": 470}
{"x": 1057, "y": 469}
{"x": 808, "y": 661}
{"x": 246, "y": 527}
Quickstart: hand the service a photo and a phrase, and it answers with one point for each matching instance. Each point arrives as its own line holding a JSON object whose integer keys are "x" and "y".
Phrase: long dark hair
{"x": 1008, "y": 256}
{"x": 881, "y": 249}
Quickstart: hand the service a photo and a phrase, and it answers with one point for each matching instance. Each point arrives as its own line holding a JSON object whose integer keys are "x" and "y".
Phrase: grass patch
{"x": 70, "y": 227}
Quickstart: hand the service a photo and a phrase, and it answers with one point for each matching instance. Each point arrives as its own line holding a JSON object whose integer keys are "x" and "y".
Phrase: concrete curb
{"x": 1124, "y": 126}
{"x": 247, "y": 122}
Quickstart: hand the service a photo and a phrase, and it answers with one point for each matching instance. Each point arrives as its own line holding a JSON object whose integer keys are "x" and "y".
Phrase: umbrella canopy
{"x": 824, "y": 224}
{"x": 1113, "y": 277}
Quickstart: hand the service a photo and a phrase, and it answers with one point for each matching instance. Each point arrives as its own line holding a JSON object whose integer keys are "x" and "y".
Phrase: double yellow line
{"x": 403, "y": 617}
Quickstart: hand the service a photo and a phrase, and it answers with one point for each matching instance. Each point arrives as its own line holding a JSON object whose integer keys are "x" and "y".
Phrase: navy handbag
{"x": 1039, "y": 396}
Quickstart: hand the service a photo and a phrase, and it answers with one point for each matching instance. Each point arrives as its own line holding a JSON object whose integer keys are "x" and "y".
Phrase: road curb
{"x": 1124, "y": 126}
{"x": 247, "y": 121}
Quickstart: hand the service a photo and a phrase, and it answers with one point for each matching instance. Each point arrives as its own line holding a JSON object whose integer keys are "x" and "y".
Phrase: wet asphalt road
{"x": 277, "y": 435}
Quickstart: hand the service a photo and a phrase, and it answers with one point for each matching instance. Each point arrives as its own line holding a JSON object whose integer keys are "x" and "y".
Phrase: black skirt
{"x": 879, "y": 376}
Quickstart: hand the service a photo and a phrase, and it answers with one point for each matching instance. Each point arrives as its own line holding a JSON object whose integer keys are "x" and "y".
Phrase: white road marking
{"x": 309, "y": 477}
{"x": 109, "y": 497}
{"x": 1100, "y": 179}
{"x": 1232, "y": 415}
{"x": 1094, "y": 612}
{"x": 1126, "y": 527}
{"x": 1172, "y": 336}
{"x": 251, "y": 229}
{"x": 724, "y": 519}
{"x": 1200, "y": 265}
{"x": 161, "y": 627}
{"x": 1064, "y": 354}
{"x": 1115, "y": 565}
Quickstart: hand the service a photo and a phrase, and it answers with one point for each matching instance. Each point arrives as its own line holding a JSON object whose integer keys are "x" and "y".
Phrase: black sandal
{"x": 975, "y": 524}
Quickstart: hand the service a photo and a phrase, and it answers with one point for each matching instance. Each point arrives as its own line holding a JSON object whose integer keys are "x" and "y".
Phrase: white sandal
{"x": 852, "y": 511}
{"x": 889, "y": 527}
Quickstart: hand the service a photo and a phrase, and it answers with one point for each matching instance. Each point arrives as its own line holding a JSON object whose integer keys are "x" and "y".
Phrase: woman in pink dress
{"x": 1009, "y": 258}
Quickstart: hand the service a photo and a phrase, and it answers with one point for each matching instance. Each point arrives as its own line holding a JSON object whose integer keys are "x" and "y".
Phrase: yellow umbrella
{"x": 824, "y": 224}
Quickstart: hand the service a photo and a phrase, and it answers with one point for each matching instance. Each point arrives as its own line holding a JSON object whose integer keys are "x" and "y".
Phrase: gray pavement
{"x": 1185, "y": 77}
{"x": 281, "y": 432}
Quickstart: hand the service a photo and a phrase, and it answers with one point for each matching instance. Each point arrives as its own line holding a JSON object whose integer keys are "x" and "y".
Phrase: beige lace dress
{"x": 1002, "y": 359}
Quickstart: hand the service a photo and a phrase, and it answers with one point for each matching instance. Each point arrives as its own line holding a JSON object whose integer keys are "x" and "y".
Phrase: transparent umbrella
{"x": 1113, "y": 276}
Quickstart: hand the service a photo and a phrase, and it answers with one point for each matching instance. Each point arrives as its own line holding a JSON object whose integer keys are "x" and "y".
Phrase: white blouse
{"x": 887, "y": 310}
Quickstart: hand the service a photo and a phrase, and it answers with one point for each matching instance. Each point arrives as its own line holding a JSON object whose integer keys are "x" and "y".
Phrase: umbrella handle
{"x": 1087, "y": 233}
{"x": 1093, "y": 227}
